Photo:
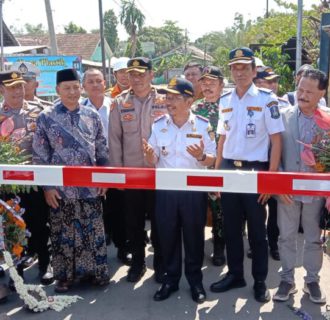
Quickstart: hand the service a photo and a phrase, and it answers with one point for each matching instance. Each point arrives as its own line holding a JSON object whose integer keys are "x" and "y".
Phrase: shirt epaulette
{"x": 159, "y": 118}
{"x": 282, "y": 99}
{"x": 265, "y": 90}
{"x": 226, "y": 93}
{"x": 202, "y": 118}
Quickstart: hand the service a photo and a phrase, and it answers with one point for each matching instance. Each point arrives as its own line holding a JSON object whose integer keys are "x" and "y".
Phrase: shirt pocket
{"x": 129, "y": 122}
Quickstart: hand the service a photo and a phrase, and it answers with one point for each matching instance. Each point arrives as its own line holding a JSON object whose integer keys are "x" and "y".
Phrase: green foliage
{"x": 133, "y": 20}
{"x": 37, "y": 29}
{"x": 110, "y": 22}
{"x": 73, "y": 28}
{"x": 170, "y": 62}
{"x": 272, "y": 56}
{"x": 167, "y": 37}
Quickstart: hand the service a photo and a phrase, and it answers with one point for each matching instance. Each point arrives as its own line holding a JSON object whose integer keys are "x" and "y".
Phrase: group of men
{"x": 189, "y": 124}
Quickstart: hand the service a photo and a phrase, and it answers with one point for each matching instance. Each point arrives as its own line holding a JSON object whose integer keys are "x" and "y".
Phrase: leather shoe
{"x": 46, "y": 278}
{"x": 275, "y": 255}
{"x": 198, "y": 293}
{"x": 261, "y": 293}
{"x": 227, "y": 283}
{"x": 135, "y": 273}
{"x": 165, "y": 291}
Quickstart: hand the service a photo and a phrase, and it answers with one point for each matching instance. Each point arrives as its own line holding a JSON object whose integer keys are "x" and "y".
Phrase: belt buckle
{"x": 238, "y": 163}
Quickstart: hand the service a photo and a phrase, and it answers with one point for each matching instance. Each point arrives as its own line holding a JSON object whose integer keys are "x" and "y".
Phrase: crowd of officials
{"x": 189, "y": 123}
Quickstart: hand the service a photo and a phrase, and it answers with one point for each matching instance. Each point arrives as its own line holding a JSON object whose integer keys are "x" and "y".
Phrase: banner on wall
{"x": 48, "y": 66}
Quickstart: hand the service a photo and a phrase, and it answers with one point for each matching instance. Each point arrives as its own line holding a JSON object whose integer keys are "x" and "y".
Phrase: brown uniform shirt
{"x": 131, "y": 119}
{"x": 20, "y": 124}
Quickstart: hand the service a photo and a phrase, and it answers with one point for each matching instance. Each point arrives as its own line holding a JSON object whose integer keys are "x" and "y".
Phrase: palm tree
{"x": 133, "y": 20}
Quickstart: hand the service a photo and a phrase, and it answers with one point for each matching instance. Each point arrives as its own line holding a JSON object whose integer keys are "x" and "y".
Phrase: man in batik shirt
{"x": 72, "y": 134}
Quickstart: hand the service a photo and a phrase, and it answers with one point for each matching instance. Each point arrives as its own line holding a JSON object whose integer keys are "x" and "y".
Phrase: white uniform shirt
{"x": 170, "y": 142}
{"x": 104, "y": 113}
{"x": 248, "y": 122}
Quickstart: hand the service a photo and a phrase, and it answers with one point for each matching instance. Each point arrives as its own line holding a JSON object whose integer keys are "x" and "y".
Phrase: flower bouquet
{"x": 317, "y": 156}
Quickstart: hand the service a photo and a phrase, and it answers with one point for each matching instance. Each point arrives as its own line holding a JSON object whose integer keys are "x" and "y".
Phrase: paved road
{"x": 122, "y": 300}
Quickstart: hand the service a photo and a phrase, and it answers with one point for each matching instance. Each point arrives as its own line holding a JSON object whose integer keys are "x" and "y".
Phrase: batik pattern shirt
{"x": 71, "y": 138}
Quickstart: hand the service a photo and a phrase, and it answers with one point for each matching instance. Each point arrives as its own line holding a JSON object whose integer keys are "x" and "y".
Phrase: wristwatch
{"x": 202, "y": 158}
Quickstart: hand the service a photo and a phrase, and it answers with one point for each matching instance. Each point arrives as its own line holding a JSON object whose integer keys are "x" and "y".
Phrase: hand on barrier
{"x": 102, "y": 191}
{"x": 263, "y": 198}
{"x": 52, "y": 196}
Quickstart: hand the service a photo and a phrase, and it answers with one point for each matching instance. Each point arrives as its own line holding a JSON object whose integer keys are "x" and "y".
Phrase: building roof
{"x": 82, "y": 44}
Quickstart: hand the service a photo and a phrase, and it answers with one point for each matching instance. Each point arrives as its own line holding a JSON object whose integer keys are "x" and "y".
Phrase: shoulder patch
{"x": 202, "y": 118}
{"x": 160, "y": 118}
{"x": 272, "y": 103}
{"x": 265, "y": 90}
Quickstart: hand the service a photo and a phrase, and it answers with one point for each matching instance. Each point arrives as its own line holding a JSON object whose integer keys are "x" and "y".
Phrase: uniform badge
{"x": 250, "y": 113}
{"x": 250, "y": 130}
{"x": 33, "y": 114}
{"x": 164, "y": 151}
{"x": 127, "y": 104}
{"x": 163, "y": 130}
{"x": 128, "y": 117}
{"x": 274, "y": 112}
{"x": 226, "y": 125}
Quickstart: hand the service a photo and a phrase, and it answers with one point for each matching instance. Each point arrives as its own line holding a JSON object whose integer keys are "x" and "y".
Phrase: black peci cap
{"x": 67, "y": 75}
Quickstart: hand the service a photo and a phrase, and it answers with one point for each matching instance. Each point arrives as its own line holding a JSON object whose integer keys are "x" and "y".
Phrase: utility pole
{"x": 51, "y": 30}
{"x": 267, "y": 9}
{"x": 299, "y": 35}
{"x": 1, "y": 35}
{"x": 102, "y": 40}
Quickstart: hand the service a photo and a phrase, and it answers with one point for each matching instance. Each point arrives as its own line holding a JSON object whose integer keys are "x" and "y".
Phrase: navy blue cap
{"x": 67, "y": 75}
{"x": 139, "y": 64}
{"x": 241, "y": 55}
{"x": 211, "y": 72}
{"x": 266, "y": 73}
{"x": 10, "y": 78}
{"x": 178, "y": 86}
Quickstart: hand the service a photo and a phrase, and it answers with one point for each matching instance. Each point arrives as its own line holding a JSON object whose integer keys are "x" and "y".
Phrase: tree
{"x": 37, "y": 29}
{"x": 73, "y": 28}
{"x": 110, "y": 22}
{"x": 133, "y": 20}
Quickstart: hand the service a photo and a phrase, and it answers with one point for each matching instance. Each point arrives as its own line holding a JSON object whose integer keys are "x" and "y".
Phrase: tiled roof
{"x": 82, "y": 44}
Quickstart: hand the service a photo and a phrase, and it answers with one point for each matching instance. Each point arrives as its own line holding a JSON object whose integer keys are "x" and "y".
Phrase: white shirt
{"x": 170, "y": 142}
{"x": 104, "y": 112}
{"x": 248, "y": 122}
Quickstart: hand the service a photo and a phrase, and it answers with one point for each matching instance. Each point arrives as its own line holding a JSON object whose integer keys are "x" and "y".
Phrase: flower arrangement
{"x": 317, "y": 154}
{"x": 13, "y": 234}
{"x": 13, "y": 226}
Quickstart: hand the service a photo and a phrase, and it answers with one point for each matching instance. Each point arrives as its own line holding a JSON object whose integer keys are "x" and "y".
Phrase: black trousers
{"x": 237, "y": 207}
{"x": 139, "y": 204}
{"x": 181, "y": 215}
{"x": 114, "y": 217}
{"x": 272, "y": 228}
{"x": 36, "y": 217}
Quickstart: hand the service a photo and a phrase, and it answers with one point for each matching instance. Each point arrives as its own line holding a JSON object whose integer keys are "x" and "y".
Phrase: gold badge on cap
{"x": 136, "y": 63}
{"x": 172, "y": 82}
{"x": 238, "y": 53}
{"x": 14, "y": 75}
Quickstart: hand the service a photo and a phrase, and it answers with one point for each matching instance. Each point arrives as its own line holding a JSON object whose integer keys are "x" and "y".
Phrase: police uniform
{"x": 131, "y": 119}
{"x": 181, "y": 213}
{"x": 20, "y": 124}
{"x": 246, "y": 122}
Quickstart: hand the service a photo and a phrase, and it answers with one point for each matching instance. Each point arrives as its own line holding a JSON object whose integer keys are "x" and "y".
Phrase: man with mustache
{"x": 300, "y": 125}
